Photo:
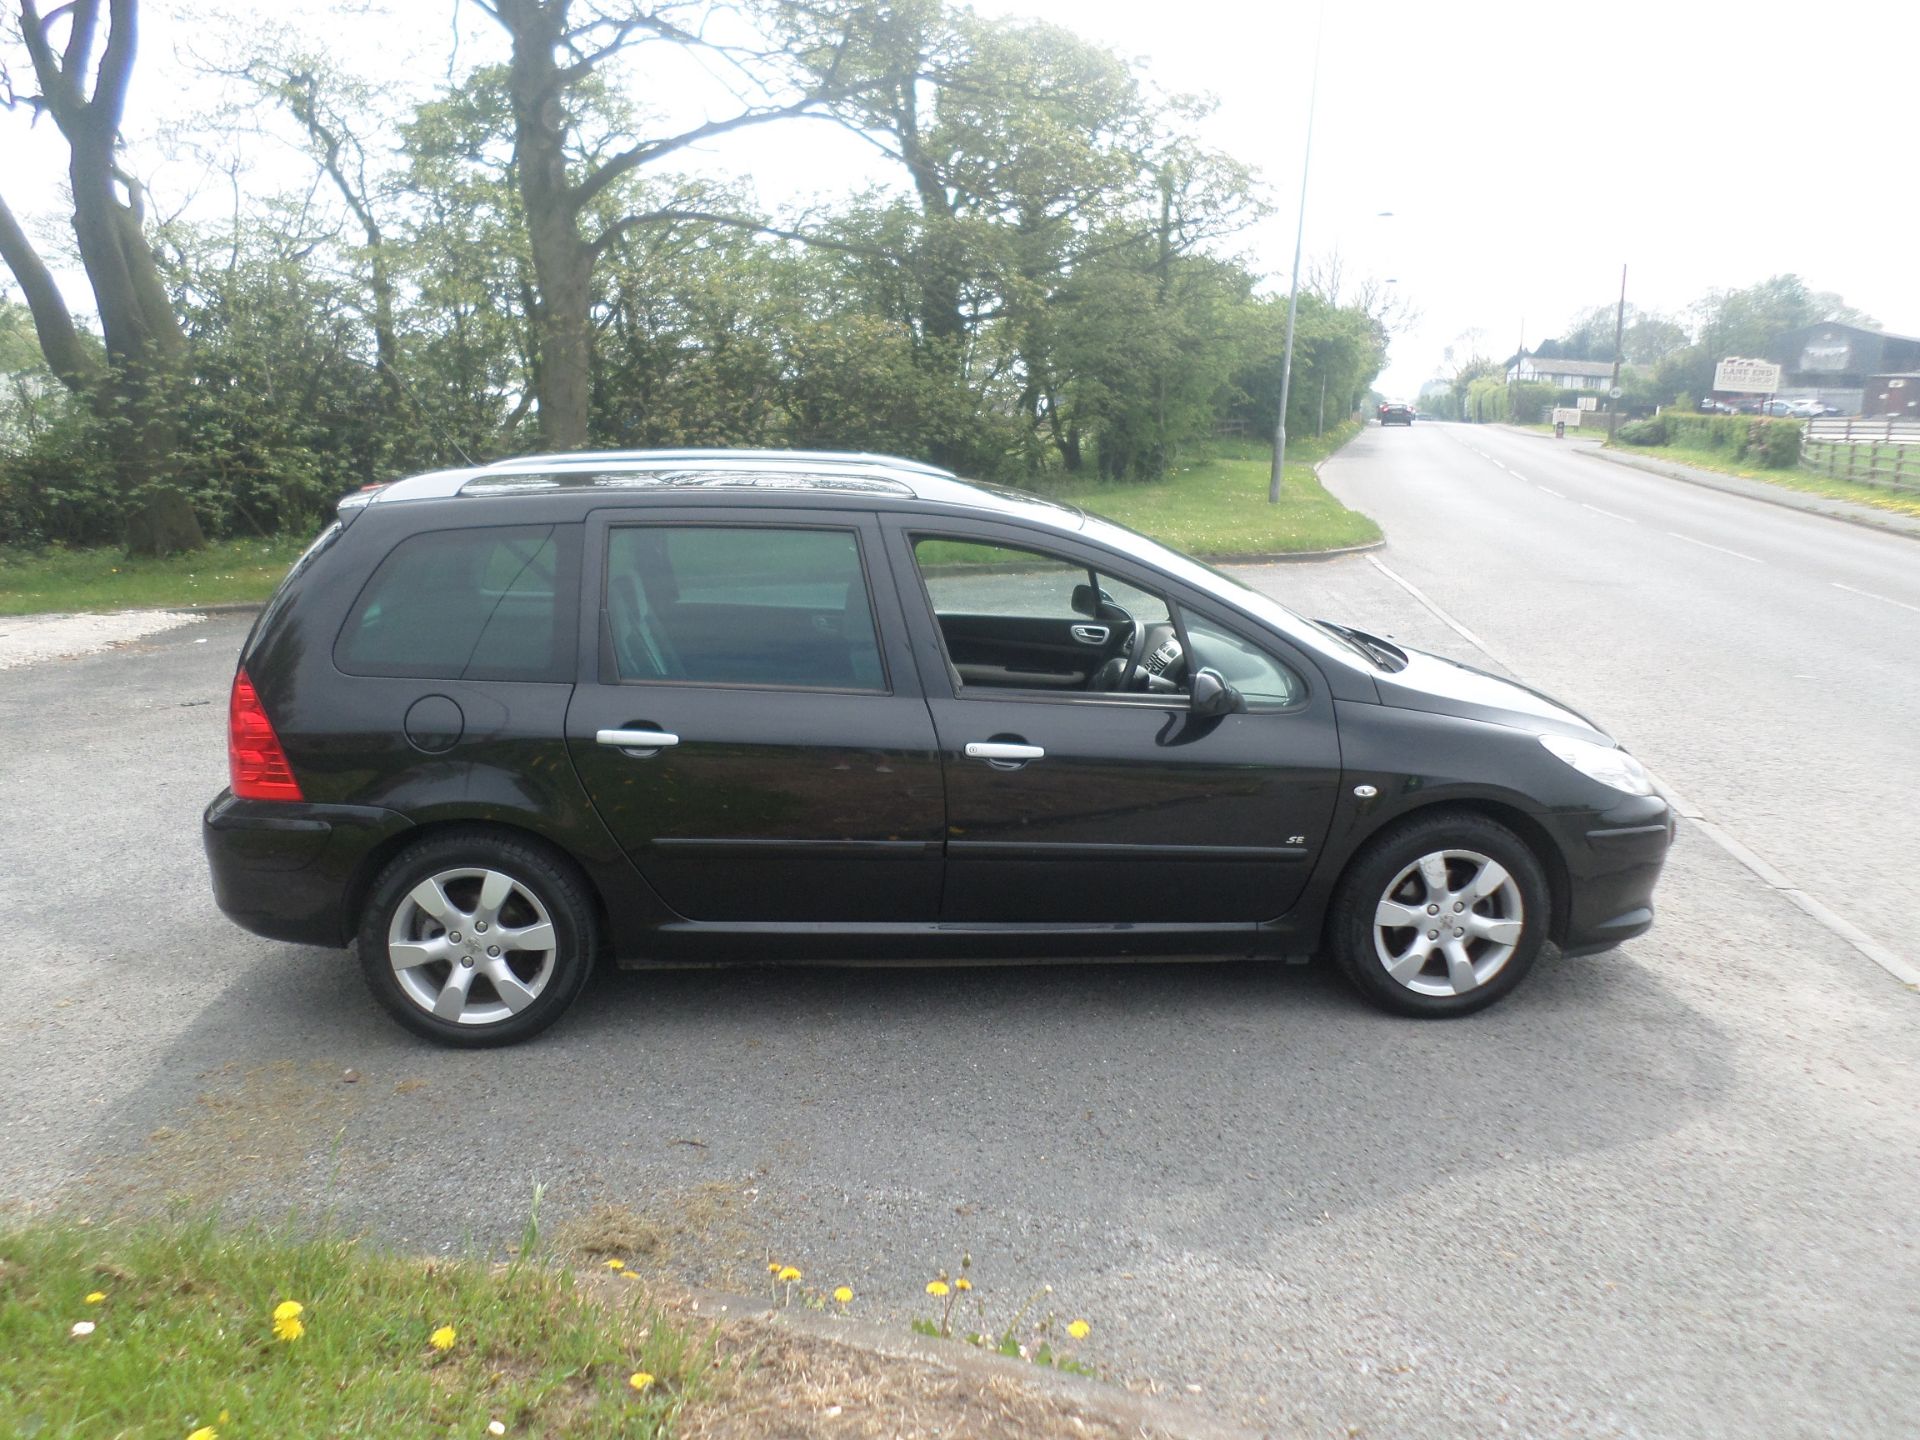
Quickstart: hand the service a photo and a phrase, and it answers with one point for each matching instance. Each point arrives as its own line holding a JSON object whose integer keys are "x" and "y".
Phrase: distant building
{"x": 1839, "y": 364}
{"x": 1562, "y": 374}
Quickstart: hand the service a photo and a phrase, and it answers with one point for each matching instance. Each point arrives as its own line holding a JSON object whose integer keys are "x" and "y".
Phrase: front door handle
{"x": 1091, "y": 634}
{"x": 637, "y": 743}
{"x": 1003, "y": 755}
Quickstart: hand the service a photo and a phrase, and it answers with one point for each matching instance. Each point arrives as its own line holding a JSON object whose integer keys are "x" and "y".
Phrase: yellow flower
{"x": 289, "y": 1329}
{"x": 1079, "y": 1329}
{"x": 629, "y": 1274}
{"x": 936, "y": 1288}
{"x": 774, "y": 1267}
{"x": 442, "y": 1339}
{"x": 789, "y": 1274}
{"x": 205, "y": 1432}
{"x": 287, "y": 1309}
{"x": 963, "y": 1283}
{"x": 616, "y": 1264}
{"x": 94, "y": 1297}
{"x": 843, "y": 1294}
{"x": 640, "y": 1380}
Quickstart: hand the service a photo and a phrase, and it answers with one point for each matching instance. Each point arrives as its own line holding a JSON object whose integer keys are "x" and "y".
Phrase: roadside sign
{"x": 1746, "y": 377}
{"x": 1615, "y": 393}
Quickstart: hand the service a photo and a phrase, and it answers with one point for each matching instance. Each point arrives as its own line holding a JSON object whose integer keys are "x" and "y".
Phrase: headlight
{"x": 1605, "y": 763}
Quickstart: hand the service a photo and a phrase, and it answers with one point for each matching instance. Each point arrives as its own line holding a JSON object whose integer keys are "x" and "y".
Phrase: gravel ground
{"x": 25, "y": 639}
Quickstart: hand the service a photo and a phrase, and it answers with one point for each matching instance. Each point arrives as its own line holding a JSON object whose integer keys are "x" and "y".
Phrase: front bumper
{"x": 287, "y": 871}
{"x": 1613, "y": 858}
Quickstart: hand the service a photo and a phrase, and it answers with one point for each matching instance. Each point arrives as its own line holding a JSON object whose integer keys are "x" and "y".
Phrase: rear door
{"x": 750, "y": 725}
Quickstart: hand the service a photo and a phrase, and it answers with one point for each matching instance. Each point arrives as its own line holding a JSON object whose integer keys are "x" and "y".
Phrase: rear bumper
{"x": 1613, "y": 859}
{"x": 285, "y": 870}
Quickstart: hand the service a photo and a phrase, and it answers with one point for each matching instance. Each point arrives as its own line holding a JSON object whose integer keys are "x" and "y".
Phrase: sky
{"x": 1523, "y": 153}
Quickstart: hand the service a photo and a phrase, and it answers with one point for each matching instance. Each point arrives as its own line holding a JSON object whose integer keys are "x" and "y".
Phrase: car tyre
{"x": 474, "y": 938}
{"x": 1440, "y": 916}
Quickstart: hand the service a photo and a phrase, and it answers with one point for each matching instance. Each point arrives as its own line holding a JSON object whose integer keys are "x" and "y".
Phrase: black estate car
{"x": 1396, "y": 414}
{"x": 732, "y": 706}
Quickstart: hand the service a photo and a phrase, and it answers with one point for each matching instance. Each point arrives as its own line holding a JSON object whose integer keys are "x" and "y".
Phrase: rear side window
{"x": 740, "y": 605}
{"x": 482, "y": 604}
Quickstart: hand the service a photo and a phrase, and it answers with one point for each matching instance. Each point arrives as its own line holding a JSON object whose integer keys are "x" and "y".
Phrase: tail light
{"x": 256, "y": 765}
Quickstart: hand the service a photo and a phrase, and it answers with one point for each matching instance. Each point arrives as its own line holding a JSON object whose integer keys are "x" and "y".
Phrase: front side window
{"x": 492, "y": 603}
{"x": 741, "y": 605}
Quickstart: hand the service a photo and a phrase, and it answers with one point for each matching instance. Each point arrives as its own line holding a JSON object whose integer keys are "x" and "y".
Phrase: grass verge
{"x": 1218, "y": 504}
{"x": 1215, "y": 506}
{"x": 59, "y": 579}
{"x": 1808, "y": 482}
{"x": 184, "y": 1341}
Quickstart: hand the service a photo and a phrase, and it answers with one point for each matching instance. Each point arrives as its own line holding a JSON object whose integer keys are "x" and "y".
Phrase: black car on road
{"x": 1396, "y": 415}
{"x": 719, "y": 707}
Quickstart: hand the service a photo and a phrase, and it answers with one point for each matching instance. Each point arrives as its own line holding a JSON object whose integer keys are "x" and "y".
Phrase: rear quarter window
{"x": 493, "y": 603}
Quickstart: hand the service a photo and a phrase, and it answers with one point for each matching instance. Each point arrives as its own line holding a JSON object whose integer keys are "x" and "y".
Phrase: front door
{"x": 753, "y": 733}
{"x": 1085, "y": 790}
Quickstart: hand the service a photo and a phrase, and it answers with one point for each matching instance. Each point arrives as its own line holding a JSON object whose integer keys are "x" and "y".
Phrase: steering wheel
{"x": 1118, "y": 673}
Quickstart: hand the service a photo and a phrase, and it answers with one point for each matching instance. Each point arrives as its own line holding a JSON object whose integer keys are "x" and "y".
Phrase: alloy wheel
{"x": 1448, "y": 923}
{"x": 471, "y": 946}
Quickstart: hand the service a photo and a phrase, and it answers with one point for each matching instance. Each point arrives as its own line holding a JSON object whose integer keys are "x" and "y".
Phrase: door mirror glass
{"x": 1212, "y": 695}
{"x": 1087, "y": 600}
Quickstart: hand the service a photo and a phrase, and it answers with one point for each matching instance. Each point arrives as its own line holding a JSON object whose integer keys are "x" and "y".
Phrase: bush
{"x": 1644, "y": 432}
{"x": 1771, "y": 444}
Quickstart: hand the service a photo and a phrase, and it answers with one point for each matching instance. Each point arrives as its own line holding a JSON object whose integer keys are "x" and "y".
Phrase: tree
{"x": 558, "y": 47}
{"x": 133, "y": 389}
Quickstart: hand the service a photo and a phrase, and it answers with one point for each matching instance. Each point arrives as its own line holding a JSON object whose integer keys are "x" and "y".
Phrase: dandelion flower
{"x": 442, "y": 1339}
{"x": 936, "y": 1288}
{"x": 616, "y": 1264}
{"x": 1079, "y": 1329}
{"x": 205, "y": 1432}
{"x": 844, "y": 1295}
{"x": 640, "y": 1380}
{"x": 629, "y": 1274}
{"x": 289, "y": 1329}
{"x": 81, "y": 1329}
{"x": 789, "y": 1274}
{"x": 288, "y": 1309}
{"x": 774, "y": 1267}
{"x": 94, "y": 1297}
{"x": 963, "y": 1283}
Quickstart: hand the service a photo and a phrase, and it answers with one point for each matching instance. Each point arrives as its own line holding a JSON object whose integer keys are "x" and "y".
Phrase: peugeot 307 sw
{"x": 499, "y": 724}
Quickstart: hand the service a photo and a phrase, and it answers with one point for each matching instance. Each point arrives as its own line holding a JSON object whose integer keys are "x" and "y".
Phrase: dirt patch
{"x": 701, "y": 1221}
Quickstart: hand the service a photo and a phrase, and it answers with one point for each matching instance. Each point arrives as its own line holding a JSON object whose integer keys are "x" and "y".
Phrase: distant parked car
{"x": 1396, "y": 415}
{"x": 1711, "y": 406}
{"x": 1777, "y": 408}
{"x": 1811, "y": 409}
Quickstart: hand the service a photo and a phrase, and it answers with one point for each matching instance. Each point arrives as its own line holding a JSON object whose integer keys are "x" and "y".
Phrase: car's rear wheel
{"x": 1441, "y": 916}
{"x": 475, "y": 938}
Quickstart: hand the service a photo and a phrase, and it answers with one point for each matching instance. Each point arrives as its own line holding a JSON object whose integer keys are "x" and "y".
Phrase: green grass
{"x": 1805, "y": 480}
{"x": 57, "y": 578}
{"x": 1217, "y": 505}
{"x": 184, "y": 1338}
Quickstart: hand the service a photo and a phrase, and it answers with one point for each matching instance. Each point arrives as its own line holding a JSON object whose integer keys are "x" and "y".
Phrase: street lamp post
{"x": 1293, "y": 297}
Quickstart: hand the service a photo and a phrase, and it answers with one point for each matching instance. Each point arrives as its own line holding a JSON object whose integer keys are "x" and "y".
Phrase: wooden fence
{"x": 1866, "y": 462}
{"x": 1863, "y": 431}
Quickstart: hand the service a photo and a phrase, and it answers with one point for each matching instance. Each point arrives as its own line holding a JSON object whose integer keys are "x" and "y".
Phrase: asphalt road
{"x": 1667, "y": 1192}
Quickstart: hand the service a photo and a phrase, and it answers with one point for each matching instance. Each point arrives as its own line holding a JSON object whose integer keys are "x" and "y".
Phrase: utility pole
{"x": 1321, "y": 428}
{"x": 1293, "y": 298}
{"x": 1619, "y": 328}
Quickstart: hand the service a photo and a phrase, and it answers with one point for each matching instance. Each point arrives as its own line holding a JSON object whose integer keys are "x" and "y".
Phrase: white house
{"x": 1563, "y": 374}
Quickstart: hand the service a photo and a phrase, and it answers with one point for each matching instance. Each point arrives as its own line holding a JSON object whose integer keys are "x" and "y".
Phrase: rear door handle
{"x": 638, "y": 743}
{"x": 1091, "y": 634}
{"x": 1002, "y": 753}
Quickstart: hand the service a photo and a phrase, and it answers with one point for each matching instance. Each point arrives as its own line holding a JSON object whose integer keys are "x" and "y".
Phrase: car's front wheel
{"x": 476, "y": 938}
{"x": 1441, "y": 916}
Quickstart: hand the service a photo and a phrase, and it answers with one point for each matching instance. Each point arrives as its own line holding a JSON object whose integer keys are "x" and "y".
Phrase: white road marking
{"x": 1822, "y": 914}
{"x": 1886, "y": 599}
{"x": 1711, "y": 546}
{"x": 1551, "y": 491}
{"x": 1598, "y": 511}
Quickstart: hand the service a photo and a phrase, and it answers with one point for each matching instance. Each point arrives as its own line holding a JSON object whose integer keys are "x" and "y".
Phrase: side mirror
{"x": 1087, "y": 601}
{"x": 1212, "y": 695}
